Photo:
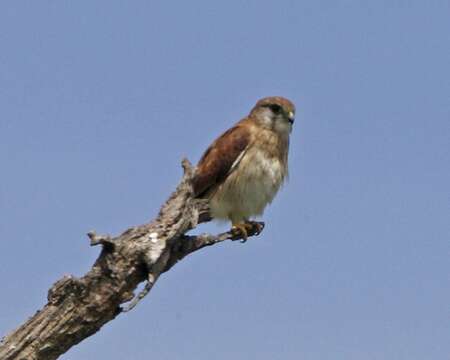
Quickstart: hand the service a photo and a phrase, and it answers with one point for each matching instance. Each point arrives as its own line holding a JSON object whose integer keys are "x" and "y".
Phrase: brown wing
{"x": 218, "y": 159}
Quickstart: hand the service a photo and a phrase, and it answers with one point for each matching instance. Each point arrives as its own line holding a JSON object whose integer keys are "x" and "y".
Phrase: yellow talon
{"x": 241, "y": 230}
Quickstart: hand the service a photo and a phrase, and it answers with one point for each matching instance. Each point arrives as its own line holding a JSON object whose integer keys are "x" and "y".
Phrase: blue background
{"x": 99, "y": 102}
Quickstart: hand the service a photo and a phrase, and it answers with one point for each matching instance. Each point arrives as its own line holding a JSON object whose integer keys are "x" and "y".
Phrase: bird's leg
{"x": 246, "y": 228}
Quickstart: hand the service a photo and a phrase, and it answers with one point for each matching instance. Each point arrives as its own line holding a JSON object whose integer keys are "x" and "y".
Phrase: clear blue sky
{"x": 100, "y": 100}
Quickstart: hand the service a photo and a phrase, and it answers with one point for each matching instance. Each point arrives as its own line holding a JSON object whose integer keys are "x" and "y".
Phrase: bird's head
{"x": 275, "y": 113}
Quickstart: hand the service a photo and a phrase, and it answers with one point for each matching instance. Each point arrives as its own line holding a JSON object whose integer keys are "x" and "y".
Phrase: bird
{"x": 242, "y": 170}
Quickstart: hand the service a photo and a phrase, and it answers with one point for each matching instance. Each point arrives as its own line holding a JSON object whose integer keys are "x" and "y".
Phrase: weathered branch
{"x": 78, "y": 307}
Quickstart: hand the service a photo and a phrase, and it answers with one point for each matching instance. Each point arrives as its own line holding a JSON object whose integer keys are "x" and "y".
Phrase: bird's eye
{"x": 275, "y": 108}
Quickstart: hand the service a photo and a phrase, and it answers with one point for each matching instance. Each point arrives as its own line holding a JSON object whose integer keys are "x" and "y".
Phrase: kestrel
{"x": 242, "y": 170}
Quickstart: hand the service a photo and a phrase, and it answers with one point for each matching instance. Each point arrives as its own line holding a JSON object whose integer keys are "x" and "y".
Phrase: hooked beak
{"x": 291, "y": 117}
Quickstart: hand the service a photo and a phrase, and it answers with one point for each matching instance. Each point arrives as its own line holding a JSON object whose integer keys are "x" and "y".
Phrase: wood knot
{"x": 67, "y": 286}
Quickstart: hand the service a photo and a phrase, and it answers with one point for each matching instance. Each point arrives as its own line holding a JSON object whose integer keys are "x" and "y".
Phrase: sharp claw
{"x": 243, "y": 229}
{"x": 259, "y": 227}
{"x": 240, "y": 230}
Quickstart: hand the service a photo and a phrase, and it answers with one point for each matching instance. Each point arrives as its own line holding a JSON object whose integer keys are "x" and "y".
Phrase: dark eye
{"x": 275, "y": 108}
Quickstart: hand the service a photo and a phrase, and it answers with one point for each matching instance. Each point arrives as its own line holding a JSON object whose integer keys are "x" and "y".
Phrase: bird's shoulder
{"x": 221, "y": 155}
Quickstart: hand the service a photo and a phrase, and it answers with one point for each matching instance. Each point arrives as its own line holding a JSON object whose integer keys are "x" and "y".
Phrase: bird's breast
{"x": 253, "y": 183}
{"x": 260, "y": 173}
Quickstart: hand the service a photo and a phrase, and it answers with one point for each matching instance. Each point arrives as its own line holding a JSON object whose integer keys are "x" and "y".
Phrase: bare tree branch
{"x": 78, "y": 307}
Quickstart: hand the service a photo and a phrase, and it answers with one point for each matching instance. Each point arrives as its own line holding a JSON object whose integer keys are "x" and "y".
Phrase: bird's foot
{"x": 248, "y": 228}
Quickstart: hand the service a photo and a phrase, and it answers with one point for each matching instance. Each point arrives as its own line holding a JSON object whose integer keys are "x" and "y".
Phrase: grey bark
{"x": 78, "y": 307}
